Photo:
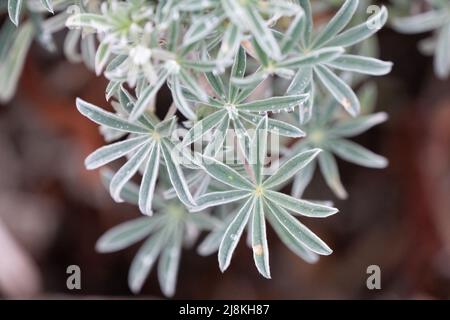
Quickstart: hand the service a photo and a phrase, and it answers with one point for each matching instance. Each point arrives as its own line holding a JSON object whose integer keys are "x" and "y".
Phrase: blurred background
{"x": 52, "y": 210}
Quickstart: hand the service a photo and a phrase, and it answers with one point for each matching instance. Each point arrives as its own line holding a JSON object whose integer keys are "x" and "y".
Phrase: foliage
{"x": 258, "y": 69}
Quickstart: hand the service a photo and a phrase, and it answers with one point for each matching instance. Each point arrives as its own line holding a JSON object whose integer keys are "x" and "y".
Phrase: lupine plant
{"x": 260, "y": 72}
{"x": 435, "y": 19}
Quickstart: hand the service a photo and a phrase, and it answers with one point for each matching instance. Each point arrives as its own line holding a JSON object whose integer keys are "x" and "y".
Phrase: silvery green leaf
{"x": 274, "y": 104}
{"x": 169, "y": 262}
{"x": 259, "y": 239}
{"x": 202, "y": 27}
{"x": 312, "y": 58}
{"x": 249, "y": 82}
{"x": 215, "y": 81}
{"x": 196, "y": 5}
{"x": 233, "y": 234}
{"x": 214, "y": 199}
{"x": 298, "y": 232}
{"x": 339, "y": 89}
{"x": 289, "y": 240}
{"x": 71, "y": 43}
{"x": 192, "y": 85}
{"x": 14, "y": 10}
{"x": 260, "y": 55}
{"x": 356, "y": 126}
{"x": 302, "y": 207}
{"x": 303, "y": 83}
{"x": 204, "y": 126}
{"x": 230, "y": 43}
{"x": 191, "y": 180}
{"x": 126, "y": 234}
{"x": 243, "y": 137}
{"x": 88, "y": 51}
{"x": 129, "y": 193}
{"x": 330, "y": 172}
{"x": 275, "y": 126}
{"x": 293, "y": 35}
{"x": 307, "y": 23}
{"x": 127, "y": 171}
{"x": 149, "y": 94}
{"x": 204, "y": 222}
{"x": 149, "y": 180}
{"x": 109, "y": 153}
{"x": 364, "y": 65}
{"x": 200, "y": 65}
{"x": 102, "y": 57}
{"x": 88, "y": 20}
{"x": 107, "y": 119}
{"x": 127, "y": 102}
{"x": 144, "y": 261}
{"x": 362, "y": 31}
{"x": 337, "y": 23}
{"x": 357, "y": 154}
{"x": 12, "y": 63}
{"x": 176, "y": 174}
{"x": 419, "y": 23}
{"x": 181, "y": 101}
{"x": 166, "y": 127}
{"x": 211, "y": 243}
{"x": 258, "y": 149}
{"x": 245, "y": 14}
{"x": 442, "y": 58}
{"x": 302, "y": 180}
{"x": 219, "y": 136}
{"x": 112, "y": 90}
{"x": 291, "y": 167}
{"x": 225, "y": 174}
{"x": 48, "y": 4}
{"x": 237, "y": 72}
{"x": 7, "y": 36}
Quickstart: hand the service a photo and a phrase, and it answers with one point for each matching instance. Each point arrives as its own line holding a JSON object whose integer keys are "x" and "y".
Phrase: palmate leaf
{"x": 13, "y": 58}
{"x": 299, "y": 233}
{"x": 357, "y": 154}
{"x": 219, "y": 198}
{"x": 14, "y": 10}
{"x": 259, "y": 239}
{"x": 360, "y": 32}
{"x": 258, "y": 149}
{"x": 48, "y": 4}
{"x": 169, "y": 262}
{"x": 108, "y": 119}
{"x": 312, "y": 58}
{"x": 337, "y": 23}
{"x": 290, "y": 240}
{"x": 364, "y": 65}
{"x": 248, "y": 16}
{"x": 225, "y": 174}
{"x": 339, "y": 89}
{"x": 302, "y": 207}
{"x": 290, "y": 168}
{"x": 109, "y": 153}
{"x": 354, "y": 127}
{"x": 144, "y": 260}
{"x": 176, "y": 175}
{"x": 128, "y": 170}
{"x": 330, "y": 172}
{"x": 233, "y": 234}
{"x": 275, "y": 126}
{"x": 273, "y": 104}
{"x": 149, "y": 180}
{"x": 126, "y": 234}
